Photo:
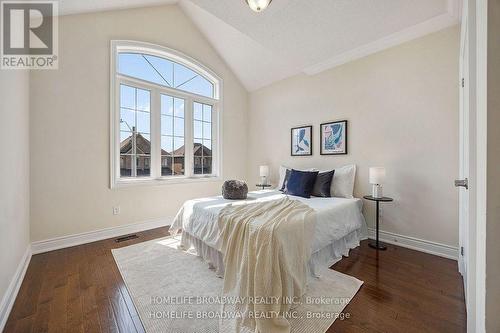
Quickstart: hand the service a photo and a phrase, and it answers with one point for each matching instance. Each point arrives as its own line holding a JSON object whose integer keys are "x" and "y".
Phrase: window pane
{"x": 163, "y": 66}
{"x": 125, "y": 165}
{"x": 126, "y": 142}
{"x": 197, "y": 156}
{"x": 178, "y": 168}
{"x": 178, "y": 126}
{"x": 143, "y": 100}
{"x": 182, "y": 74}
{"x": 124, "y": 136}
{"x": 207, "y": 144}
{"x": 127, "y": 97}
{"x": 179, "y": 107}
{"x": 198, "y": 111}
{"x": 164, "y": 72}
{"x": 207, "y": 112}
{"x": 207, "y": 164}
{"x": 135, "y": 65}
{"x": 167, "y": 144}
{"x": 143, "y": 165}
{"x": 207, "y": 130}
{"x": 167, "y": 125}
{"x": 143, "y": 144}
{"x": 198, "y": 129}
{"x": 178, "y": 146}
{"x": 199, "y": 85}
{"x": 167, "y": 105}
{"x": 188, "y": 80}
{"x": 143, "y": 122}
{"x": 127, "y": 119}
{"x": 166, "y": 165}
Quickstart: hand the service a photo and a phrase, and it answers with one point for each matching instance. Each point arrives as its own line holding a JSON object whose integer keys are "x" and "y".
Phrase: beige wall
{"x": 402, "y": 108}
{"x": 493, "y": 172}
{"x": 14, "y": 174}
{"x": 70, "y": 125}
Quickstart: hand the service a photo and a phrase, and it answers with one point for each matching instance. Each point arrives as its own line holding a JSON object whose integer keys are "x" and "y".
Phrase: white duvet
{"x": 335, "y": 217}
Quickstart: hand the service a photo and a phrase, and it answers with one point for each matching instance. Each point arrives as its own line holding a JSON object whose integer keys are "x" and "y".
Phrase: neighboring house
{"x": 172, "y": 163}
{"x": 202, "y": 158}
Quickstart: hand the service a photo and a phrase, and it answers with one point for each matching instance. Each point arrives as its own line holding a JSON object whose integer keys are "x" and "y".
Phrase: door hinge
{"x": 462, "y": 183}
{"x": 462, "y": 251}
{"x": 463, "y": 83}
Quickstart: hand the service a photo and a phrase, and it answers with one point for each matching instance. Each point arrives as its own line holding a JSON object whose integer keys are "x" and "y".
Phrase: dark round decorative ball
{"x": 234, "y": 190}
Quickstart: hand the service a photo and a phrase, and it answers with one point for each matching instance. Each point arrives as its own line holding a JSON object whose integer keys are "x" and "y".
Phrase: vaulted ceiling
{"x": 299, "y": 36}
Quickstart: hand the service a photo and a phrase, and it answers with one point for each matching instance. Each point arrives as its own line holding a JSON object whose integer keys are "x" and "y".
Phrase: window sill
{"x": 121, "y": 183}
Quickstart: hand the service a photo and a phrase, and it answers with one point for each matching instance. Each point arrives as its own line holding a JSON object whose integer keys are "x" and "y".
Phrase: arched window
{"x": 165, "y": 110}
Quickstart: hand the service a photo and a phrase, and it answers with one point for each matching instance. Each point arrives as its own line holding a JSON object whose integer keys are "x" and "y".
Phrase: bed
{"x": 339, "y": 227}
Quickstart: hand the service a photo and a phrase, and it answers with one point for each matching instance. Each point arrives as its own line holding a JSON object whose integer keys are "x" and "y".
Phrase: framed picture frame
{"x": 301, "y": 141}
{"x": 333, "y": 138}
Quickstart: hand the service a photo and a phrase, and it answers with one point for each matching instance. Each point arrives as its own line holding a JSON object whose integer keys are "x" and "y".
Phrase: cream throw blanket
{"x": 266, "y": 248}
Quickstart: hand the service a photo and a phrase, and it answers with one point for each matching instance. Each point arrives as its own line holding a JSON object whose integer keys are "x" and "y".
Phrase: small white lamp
{"x": 264, "y": 173}
{"x": 377, "y": 177}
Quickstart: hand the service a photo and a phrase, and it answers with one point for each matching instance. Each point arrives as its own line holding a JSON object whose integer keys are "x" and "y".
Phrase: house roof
{"x": 144, "y": 148}
{"x": 197, "y": 150}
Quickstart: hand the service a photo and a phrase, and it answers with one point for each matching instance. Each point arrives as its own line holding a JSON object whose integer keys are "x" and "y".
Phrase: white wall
{"x": 14, "y": 175}
{"x": 402, "y": 108}
{"x": 70, "y": 125}
{"x": 493, "y": 172}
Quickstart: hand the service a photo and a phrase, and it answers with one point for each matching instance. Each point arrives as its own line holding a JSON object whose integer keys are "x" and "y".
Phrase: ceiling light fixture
{"x": 258, "y": 5}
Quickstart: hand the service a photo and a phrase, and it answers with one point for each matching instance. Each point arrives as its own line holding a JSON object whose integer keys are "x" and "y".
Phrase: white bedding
{"x": 335, "y": 217}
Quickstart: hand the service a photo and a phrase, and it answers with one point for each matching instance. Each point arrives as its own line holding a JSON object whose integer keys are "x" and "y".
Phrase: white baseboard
{"x": 93, "y": 236}
{"x": 13, "y": 289}
{"x": 413, "y": 243}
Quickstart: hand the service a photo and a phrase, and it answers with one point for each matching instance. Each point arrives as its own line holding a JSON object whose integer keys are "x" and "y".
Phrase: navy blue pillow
{"x": 322, "y": 185}
{"x": 301, "y": 183}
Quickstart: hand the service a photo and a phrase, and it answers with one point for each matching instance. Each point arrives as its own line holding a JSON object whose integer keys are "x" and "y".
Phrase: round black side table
{"x": 377, "y": 245}
{"x": 263, "y": 186}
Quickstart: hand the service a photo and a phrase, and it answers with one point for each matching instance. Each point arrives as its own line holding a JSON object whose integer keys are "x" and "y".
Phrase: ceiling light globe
{"x": 258, "y": 5}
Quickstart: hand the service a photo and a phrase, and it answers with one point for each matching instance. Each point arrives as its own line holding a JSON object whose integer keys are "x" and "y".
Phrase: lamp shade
{"x": 264, "y": 170}
{"x": 377, "y": 175}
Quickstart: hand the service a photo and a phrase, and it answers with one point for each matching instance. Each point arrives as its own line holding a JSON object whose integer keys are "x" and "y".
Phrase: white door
{"x": 462, "y": 182}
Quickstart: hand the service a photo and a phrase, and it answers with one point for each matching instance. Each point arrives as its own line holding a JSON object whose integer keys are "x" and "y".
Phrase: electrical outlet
{"x": 116, "y": 210}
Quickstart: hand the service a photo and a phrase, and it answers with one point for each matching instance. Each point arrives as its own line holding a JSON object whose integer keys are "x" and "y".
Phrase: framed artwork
{"x": 301, "y": 141}
{"x": 333, "y": 137}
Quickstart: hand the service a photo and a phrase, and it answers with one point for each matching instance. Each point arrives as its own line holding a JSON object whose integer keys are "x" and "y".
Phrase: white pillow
{"x": 343, "y": 182}
{"x": 283, "y": 174}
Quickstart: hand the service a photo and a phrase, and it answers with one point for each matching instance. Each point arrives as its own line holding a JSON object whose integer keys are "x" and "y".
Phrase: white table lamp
{"x": 377, "y": 178}
{"x": 264, "y": 173}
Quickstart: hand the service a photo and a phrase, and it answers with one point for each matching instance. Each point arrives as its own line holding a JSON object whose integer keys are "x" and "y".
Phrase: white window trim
{"x": 119, "y": 46}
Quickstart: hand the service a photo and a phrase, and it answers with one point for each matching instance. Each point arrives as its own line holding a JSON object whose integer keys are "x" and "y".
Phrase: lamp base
{"x": 263, "y": 180}
{"x": 377, "y": 191}
{"x": 379, "y": 246}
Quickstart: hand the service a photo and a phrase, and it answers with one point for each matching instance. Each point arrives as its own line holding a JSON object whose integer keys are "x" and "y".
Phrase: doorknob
{"x": 462, "y": 183}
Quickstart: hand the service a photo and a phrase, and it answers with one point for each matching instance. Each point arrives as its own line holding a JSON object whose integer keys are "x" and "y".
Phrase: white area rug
{"x": 174, "y": 291}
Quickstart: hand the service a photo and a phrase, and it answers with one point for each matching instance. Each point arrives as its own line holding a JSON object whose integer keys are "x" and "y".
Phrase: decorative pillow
{"x": 285, "y": 181}
{"x": 323, "y": 184}
{"x": 234, "y": 190}
{"x": 283, "y": 170}
{"x": 343, "y": 182}
{"x": 301, "y": 183}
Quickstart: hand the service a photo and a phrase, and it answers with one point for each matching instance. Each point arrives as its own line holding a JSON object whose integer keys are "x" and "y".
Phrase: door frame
{"x": 475, "y": 257}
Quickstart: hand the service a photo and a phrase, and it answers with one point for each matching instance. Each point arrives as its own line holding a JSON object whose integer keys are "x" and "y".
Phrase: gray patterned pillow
{"x": 234, "y": 190}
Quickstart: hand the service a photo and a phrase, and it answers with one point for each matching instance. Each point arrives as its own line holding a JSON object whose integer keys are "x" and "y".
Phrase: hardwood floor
{"x": 80, "y": 289}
